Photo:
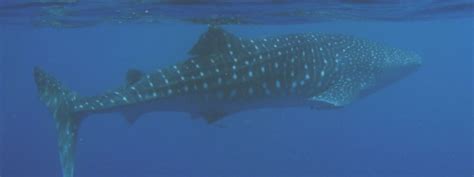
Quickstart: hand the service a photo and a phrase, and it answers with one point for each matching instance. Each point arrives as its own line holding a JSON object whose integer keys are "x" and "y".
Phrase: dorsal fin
{"x": 215, "y": 40}
{"x": 133, "y": 76}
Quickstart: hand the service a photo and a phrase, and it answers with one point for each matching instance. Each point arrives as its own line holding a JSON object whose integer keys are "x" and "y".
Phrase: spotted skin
{"x": 226, "y": 74}
{"x": 250, "y": 71}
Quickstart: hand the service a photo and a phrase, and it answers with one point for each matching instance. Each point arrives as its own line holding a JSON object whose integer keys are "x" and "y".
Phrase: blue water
{"x": 420, "y": 126}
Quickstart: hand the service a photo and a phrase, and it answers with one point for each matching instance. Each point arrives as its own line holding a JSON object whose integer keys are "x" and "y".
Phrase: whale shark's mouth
{"x": 395, "y": 72}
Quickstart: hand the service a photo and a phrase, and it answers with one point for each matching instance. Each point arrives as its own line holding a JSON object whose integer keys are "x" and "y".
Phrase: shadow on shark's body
{"x": 226, "y": 74}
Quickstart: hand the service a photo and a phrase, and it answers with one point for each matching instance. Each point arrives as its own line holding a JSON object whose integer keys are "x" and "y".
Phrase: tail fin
{"x": 59, "y": 101}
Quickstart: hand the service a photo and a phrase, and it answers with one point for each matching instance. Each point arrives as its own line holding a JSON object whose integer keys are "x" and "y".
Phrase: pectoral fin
{"x": 344, "y": 92}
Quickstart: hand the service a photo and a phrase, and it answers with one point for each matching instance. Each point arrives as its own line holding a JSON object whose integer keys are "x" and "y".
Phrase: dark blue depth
{"x": 420, "y": 126}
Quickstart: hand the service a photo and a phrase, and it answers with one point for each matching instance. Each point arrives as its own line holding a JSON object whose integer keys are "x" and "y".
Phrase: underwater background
{"x": 420, "y": 126}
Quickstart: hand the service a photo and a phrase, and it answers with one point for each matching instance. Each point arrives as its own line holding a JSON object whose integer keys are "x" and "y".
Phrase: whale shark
{"x": 225, "y": 74}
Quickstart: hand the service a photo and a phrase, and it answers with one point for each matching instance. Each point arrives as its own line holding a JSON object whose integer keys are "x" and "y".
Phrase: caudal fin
{"x": 59, "y": 101}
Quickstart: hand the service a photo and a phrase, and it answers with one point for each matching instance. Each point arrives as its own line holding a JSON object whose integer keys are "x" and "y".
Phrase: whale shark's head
{"x": 396, "y": 65}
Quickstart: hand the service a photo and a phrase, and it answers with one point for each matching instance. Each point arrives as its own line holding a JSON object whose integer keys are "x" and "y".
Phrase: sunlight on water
{"x": 75, "y": 13}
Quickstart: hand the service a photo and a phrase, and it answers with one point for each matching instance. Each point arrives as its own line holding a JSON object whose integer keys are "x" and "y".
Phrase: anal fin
{"x": 213, "y": 116}
{"x": 131, "y": 116}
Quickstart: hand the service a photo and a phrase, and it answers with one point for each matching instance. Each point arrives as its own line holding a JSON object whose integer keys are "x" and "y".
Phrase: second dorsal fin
{"x": 214, "y": 41}
{"x": 133, "y": 76}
